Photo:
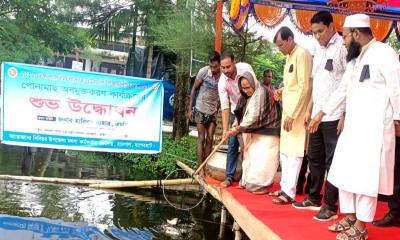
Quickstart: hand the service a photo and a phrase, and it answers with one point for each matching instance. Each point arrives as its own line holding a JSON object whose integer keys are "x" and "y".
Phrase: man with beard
{"x": 295, "y": 98}
{"x": 329, "y": 64}
{"x": 363, "y": 162}
{"x": 229, "y": 95}
{"x": 205, "y": 112}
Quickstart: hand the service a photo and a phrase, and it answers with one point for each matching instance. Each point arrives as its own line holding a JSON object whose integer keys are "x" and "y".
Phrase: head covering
{"x": 252, "y": 81}
{"x": 357, "y": 21}
{"x": 259, "y": 110}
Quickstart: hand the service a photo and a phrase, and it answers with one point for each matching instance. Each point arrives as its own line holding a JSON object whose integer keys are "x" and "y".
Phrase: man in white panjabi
{"x": 363, "y": 162}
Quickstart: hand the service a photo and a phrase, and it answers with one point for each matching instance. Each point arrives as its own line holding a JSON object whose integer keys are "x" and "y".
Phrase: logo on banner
{"x": 12, "y": 72}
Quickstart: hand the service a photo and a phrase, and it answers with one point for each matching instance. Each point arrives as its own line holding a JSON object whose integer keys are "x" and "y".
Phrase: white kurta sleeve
{"x": 391, "y": 73}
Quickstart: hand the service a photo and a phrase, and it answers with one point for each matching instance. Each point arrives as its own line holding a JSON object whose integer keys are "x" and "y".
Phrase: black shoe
{"x": 307, "y": 204}
{"x": 325, "y": 215}
{"x": 389, "y": 220}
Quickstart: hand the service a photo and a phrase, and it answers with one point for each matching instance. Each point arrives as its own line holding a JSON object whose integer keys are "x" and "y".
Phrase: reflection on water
{"x": 43, "y": 162}
{"x": 45, "y": 211}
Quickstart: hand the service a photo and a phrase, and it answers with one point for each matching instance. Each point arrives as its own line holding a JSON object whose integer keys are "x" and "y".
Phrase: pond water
{"x": 47, "y": 211}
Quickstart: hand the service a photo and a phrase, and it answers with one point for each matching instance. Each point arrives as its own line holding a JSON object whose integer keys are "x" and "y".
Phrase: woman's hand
{"x": 233, "y": 131}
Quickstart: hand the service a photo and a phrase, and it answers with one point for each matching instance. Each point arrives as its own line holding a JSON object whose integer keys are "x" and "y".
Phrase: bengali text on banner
{"x": 65, "y": 109}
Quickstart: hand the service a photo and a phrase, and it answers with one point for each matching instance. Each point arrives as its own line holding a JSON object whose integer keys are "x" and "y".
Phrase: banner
{"x": 13, "y": 227}
{"x": 61, "y": 108}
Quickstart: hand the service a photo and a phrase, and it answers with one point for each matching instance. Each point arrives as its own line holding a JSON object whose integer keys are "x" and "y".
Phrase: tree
{"x": 187, "y": 28}
{"x": 259, "y": 53}
{"x": 112, "y": 21}
{"x": 19, "y": 47}
{"x": 394, "y": 42}
{"x": 33, "y": 29}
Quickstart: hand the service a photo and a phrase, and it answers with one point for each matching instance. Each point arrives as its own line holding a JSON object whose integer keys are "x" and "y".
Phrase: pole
{"x": 209, "y": 156}
{"x": 218, "y": 26}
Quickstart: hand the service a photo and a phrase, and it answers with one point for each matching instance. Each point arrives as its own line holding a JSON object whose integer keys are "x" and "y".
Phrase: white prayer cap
{"x": 357, "y": 21}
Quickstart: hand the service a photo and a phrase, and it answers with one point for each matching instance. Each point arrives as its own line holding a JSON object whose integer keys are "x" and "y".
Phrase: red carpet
{"x": 290, "y": 223}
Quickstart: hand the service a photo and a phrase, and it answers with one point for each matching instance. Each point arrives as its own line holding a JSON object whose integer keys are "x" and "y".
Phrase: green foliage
{"x": 31, "y": 30}
{"x": 271, "y": 60}
{"x": 394, "y": 42}
{"x": 260, "y": 54}
{"x": 195, "y": 33}
{"x": 19, "y": 47}
{"x": 164, "y": 163}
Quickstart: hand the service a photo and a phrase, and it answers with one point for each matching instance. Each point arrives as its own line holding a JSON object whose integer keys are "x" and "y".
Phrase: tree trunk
{"x": 149, "y": 61}
{"x": 130, "y": 66}
{"x": 180, "y": 123}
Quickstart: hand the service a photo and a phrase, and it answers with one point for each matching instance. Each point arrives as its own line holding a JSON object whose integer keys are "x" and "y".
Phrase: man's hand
{"x": 313, "y": 126}
{"x": 233, "y": 132}
{"x": 278, "y": 94}
{"x": 225, "y": 134}
{"x": 189, "y": 115}
{"x": 397, "y": 127}
{"x": 288, "y": 124}
{"x": 307, "y": 118}
{"x": 340, "y": 125}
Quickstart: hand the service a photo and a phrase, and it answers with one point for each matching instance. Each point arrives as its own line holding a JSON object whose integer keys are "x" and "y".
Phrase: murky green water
{"x": 45, "y": 211}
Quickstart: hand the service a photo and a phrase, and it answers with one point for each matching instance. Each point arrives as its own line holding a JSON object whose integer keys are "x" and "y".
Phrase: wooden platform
{"x": 262, "y": 220}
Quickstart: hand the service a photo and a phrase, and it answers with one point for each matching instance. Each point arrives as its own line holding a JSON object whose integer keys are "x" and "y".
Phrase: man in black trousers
{"x": 329, "y": 64}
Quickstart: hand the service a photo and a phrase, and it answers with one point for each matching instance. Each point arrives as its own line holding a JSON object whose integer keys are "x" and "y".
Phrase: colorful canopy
{"x": 385, "y": 14}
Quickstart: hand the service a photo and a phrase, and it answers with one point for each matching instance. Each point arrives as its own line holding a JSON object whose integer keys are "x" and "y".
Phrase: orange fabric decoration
{"x": 338, "y": 21}
{"x": 235, "y": 8}
{"x": 241, "y": 19}
{"x": 302, "y": 19}
{"x": 381, "y": 28}
{"x": 270, "y": 16}
{"x": 243, "y": 3}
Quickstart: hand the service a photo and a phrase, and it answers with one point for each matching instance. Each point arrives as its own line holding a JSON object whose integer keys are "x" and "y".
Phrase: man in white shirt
{"x": 363, "y": 162}
{"x": 329, "y": 64}
{"x": 229, "y": 95}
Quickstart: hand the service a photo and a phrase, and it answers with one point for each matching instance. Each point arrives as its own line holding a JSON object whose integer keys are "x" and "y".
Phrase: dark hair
{"x": 364, "y": 30}
{"x": 227, "y": 54}
{"x": 284, "y": 33}
{"x": 214, "y": 57}
{"x": 267, "y": 71}
{"x": 322, "y": 16}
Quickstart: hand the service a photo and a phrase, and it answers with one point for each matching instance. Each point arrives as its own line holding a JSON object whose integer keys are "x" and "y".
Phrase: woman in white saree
{"x": 258, "y": 119}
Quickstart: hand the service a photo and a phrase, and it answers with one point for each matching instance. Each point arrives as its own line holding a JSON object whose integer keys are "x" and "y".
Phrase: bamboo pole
{"x": 97, "y": 183}
{"x": 210, "y": 189}
{"x": 84, "y": 182}
{"x": 123, "y": 184}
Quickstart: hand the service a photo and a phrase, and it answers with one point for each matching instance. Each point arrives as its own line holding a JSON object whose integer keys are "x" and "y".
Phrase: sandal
{"x": 283, "y": 199}
{"x": 342, "y": 225}
{"x": 225, "y": 183}
{"x": 353, "y": 233}
{"x": 276, "y": 193}
{"x": 259, "y": 192}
